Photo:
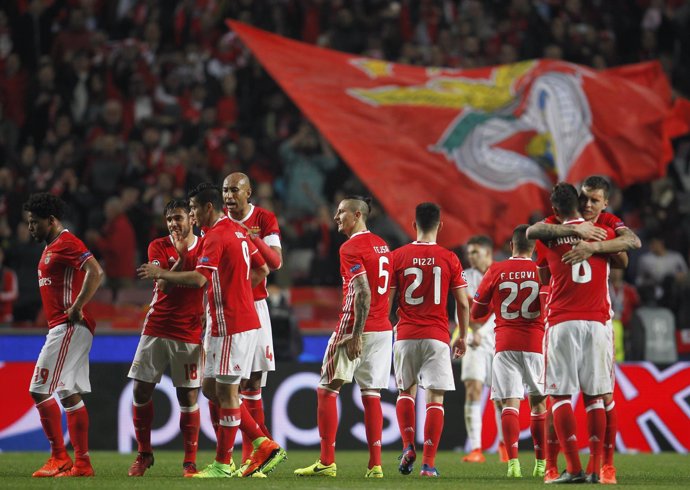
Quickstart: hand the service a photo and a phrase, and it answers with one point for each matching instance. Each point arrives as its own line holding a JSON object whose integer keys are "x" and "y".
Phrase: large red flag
{"x": 485, "y": 144}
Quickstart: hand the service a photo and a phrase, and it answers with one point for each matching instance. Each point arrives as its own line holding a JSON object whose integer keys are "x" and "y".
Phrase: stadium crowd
{"x": 117, "y": 107}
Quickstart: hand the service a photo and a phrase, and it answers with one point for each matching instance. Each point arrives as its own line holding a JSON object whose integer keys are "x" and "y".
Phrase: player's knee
{"x": 187, "y": 397}
{"x": 39, "y": 397}
{"x": 142, "y": 393}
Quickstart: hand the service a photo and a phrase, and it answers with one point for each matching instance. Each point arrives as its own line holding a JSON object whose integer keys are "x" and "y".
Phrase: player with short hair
{"x": 423, "y": 273}
{"x": 594, "y": 199}
{"x": 261, "y": 226}
{"x": 511, "y": 289}
{"x": 361, "y": 346}
{"x": 224, "y": 264}
{"x": 68, "y": 277}
{"x": 476, "y": 365}
{"x": 577, "y": 341}
{"x": 171, "y": 337}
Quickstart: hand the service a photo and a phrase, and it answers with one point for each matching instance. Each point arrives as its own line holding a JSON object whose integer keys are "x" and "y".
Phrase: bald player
{"x": 261, "y": 226}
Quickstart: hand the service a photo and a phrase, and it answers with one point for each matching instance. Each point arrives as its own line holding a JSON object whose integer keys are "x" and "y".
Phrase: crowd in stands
{"x": 118, "y": 106}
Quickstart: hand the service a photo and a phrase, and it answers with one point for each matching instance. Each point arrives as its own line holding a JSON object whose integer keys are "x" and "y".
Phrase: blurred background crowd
{"x": 118, "y": 106}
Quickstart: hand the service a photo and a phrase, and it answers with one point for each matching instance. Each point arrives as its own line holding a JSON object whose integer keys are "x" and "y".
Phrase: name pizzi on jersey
{"x": 423, "y": 260}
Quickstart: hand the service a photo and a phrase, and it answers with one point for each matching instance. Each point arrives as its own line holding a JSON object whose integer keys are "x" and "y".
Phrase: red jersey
{"x": 511, "y": 287}
{"x": 225, "y": 260}
{"x": 365, "y": 253}
{"x": 424, "y": 273}
{"x": 578, "y": 291}
{"x": 263, "y": 223}
{"x": 606, "y": 219}
{"x": 60, "y": 277}
{"x": 176, "y": 314}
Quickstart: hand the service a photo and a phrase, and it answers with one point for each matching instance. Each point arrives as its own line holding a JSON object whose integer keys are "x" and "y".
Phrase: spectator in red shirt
{"x": 9, "y": 291}
{"x": 116, "y": 244}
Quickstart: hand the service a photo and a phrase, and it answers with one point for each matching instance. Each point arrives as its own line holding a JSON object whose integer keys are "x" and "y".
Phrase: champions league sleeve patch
{"x": 355, "y": 268}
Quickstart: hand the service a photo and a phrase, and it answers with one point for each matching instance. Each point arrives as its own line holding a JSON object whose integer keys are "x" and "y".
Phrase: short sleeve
{"x": 157, "y": 255}
{"x": 457, "y": 275}
{"x": 211, "y": 250}
{"x": 611, "y": 220}
{"x": 352, "y": 264}
{"x": 270, "y": 233}
{"x": 74, "y": 253}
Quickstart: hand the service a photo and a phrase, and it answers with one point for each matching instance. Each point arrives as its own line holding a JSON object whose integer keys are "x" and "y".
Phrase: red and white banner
{"x": 486, "y": 144}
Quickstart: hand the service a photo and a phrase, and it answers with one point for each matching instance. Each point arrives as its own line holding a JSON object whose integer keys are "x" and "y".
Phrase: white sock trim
{"x": 374, "y": 393}
{"x": 405, "y": 397}
{"x": 76, "y": 407}
{"x": 512, "y": 409}
{"x": 437, "y": 407}
{"x": 610, "y": 406}
{"x": 250, "y": 397}
{"x": 229, "y": 423}
{"x": 44, "y": 401}
{"x": 559, "y": 404}
{"x": 596, "y": 405}
{"x": 326, "y": 388}
{"x": 191, "y": 409}
{"x": 141, "y": 404}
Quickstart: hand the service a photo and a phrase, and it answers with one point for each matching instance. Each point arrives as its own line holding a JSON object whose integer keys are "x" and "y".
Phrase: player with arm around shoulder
{"x": 361, "y": 346}
{"x": 224, "y": 264}
{"x": 422, "y": 275}
{"x": 577, "y": 343}
{"x": 171, "y": 337}
{"x": 68, "y": 277}
{"x": 511, "y": 289}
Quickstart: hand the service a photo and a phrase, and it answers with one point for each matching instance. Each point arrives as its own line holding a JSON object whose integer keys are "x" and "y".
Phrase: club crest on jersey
{"x": 47, "y": 259}
{"x": 355, "y": 267}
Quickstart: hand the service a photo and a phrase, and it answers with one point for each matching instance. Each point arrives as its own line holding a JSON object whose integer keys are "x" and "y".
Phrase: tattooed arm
{"x": 362, "y": 302}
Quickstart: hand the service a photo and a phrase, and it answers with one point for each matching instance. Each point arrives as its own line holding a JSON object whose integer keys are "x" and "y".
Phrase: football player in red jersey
{"x": 511, "y": 290}
{"x": 594, "y": 199}
{"x": 361, "y": 346}
{"x": 261, "y": 226}
{"x": 68, "y": 277}
{"x": 171, "y": 336}
{"x": 577, "y": 345}
{"x": 224, "y": 263}
{"x": 423, "y": 273}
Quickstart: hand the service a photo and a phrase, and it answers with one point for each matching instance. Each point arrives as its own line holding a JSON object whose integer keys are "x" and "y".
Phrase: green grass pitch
{"x": 641, "y": 470}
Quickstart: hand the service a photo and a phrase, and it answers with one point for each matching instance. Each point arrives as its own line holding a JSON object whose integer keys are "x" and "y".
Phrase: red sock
{"x": 142, "y": 416}
{"x": 255, "y": 406}
{"x": 596, "y": 427}
{"x": 564, "y": 422}
{"x": 228, "y": 423}
{"x": 373, "y": 424}
{"x": 49, "y": 411}
{"x": 78, "y": 426}
{"x": 213, "y": 411}
{"x": 252, "y": 401}
{"x": 327, "y": 416}
{"x": 510, "y": 421}
{"x": 433, "y": 427}
{"x": 404, "y": 409}
{"x": 189, "y": 426}
{"x": 611, "y": 431}
{"x": 553, "y": 446}
{"x": 537, "y": 426}
{"x": 248, "y": 425}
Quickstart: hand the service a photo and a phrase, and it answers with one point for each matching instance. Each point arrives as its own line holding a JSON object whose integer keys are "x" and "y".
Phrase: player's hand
{"x": 180, "y": 244}
{"x": 353, "y": 347}
{"x": 149, "y": 271}
{"x": 580, "y": 252}
{"x": 587, "y": 231}
{"x": 459, "y": 348}
{"x": 251, "y": 232}
{"x": 74, "y": 314}
{"x": 476, "y": 338}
